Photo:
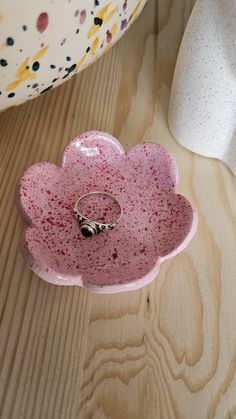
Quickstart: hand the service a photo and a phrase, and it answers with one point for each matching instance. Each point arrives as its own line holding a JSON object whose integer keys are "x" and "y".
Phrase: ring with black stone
{"x": 90, "y": 228}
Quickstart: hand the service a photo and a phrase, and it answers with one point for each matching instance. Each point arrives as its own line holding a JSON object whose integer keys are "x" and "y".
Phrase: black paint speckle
{"x": 24, "y": 27}
{"x": 52, "y": 66}
{"x": 10, "y": 41}
{"x": 27, "y": 67}
{"x": 11, "y": 95}
{"x": 77, "y": 30}
{"x": 98, "y": 21}
{"x": 69, "y": 70}
{"x": 35, "y": 66}
{"x": 3, "y": 62}
{"x": 72, "y": 68}
{"x": 47, "y": 89}
{"x": 88, "y": 49}
{"x": 68, "y": 58}
{"x": 55, "y": 80}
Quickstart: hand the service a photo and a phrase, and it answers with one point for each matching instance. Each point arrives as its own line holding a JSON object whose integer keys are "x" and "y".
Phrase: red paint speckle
{"x": 82, "y": 16}
{"x": 42, "y": 22}
{"x": 109, "y": 36}
{"x": 124, "y": 24}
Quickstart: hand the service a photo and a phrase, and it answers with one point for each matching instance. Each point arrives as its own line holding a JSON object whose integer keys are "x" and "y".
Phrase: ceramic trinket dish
{"x": 156, "y": 223}
{"x": 202, "y": 113}
{"x": 43, "y": 44}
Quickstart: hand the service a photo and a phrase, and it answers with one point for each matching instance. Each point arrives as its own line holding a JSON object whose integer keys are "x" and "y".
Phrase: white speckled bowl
{"x": 202, "y": 114}
{"x": 42, "y": 44}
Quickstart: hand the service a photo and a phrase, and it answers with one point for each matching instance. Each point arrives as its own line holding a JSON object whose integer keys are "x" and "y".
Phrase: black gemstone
{"x": 86, "y": 231}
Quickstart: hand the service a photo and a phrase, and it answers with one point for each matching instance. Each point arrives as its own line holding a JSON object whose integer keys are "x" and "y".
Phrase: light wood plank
{"x": 165, "y": 352}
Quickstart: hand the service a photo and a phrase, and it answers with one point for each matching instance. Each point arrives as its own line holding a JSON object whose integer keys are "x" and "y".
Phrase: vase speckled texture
{"x": 202, "y": 113}
{"x": 43, "y": 44}
{"x": 157, "y": 223}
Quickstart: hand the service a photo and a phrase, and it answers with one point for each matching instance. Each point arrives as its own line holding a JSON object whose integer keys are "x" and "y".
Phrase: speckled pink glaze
{"x": 157, "y": 223}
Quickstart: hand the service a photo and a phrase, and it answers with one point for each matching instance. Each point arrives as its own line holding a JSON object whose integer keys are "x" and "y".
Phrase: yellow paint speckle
{"x": 107, "y": 47}
{"x": 101, "y": 15}
{"x": 135, "y": 10}
{"x": 114, "y": 29}
{"x": 103, "y": 11}
{"x": 12, "y": 85}
{"x": 40, "y": 53}
{"x": 81, "y": 62}
{"x": 23, "y": 72}
{"x": 93, "y": 30}
{"x": 94, "y": 45}
{"x": 109, "y": 16}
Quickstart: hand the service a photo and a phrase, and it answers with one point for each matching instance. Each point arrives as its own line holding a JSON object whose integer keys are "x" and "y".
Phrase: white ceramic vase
{"x": 202, "y": 113}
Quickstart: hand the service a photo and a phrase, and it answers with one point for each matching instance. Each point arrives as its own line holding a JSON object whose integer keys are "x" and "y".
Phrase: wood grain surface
{"x": 166, "y": 351}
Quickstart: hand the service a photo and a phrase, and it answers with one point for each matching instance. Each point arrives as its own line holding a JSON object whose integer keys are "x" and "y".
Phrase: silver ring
{"x": 90, "y": 227}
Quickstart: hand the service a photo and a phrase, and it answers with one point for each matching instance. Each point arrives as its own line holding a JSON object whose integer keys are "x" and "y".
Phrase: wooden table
{"x": 166, "y": 351}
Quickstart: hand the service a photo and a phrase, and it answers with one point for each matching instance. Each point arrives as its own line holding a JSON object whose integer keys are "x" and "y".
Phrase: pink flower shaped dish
{"x": 156, "y": 223}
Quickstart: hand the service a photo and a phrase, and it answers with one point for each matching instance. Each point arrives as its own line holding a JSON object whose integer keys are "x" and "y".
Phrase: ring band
{"x": 90, "y": 227}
